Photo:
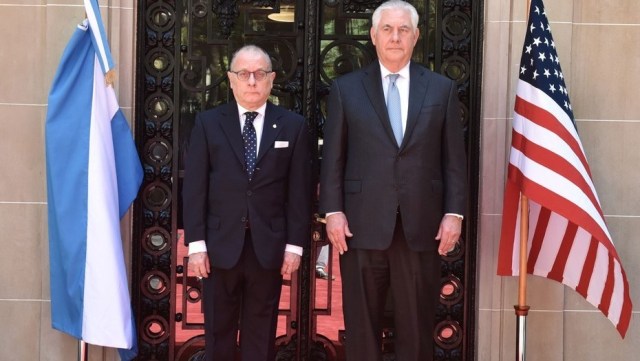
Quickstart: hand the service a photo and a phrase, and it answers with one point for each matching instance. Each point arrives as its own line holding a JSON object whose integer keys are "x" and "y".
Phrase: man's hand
{"x": 448, "y": 233}
{"x": 199, "y": 264}
{"x": 290, "y": 263}
{"x": 338, "y": 231}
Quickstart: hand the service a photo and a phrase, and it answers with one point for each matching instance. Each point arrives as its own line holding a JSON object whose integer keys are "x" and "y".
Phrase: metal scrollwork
{"x": 226, "y": 11}
{"x": 184, "y": 49}
{"x": 360, "y": 6}
{"x": 152, "y": 265}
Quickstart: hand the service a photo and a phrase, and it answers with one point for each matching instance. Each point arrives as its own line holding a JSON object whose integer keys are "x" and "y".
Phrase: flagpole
{"x": 83, "y": 351}
{"x": 522, "y": 309}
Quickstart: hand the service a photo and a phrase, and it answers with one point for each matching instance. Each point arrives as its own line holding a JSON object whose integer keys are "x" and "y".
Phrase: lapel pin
{"x": 275, "y": 126}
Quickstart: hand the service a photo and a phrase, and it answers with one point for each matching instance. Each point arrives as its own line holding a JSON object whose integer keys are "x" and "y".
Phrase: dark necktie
{"x": 393, "y": 107}
{"x": 250, "y": 143}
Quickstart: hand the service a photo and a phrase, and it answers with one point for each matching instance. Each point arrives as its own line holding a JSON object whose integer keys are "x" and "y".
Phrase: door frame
{"x": 155, "y": 210}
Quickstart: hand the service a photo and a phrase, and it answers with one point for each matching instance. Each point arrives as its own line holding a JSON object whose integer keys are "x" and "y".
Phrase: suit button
{"x": 243, "y": 219}
{"x": 249, "y": 193}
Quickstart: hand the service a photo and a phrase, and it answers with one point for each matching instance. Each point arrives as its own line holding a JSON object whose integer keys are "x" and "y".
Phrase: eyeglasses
{"x": 244, "y": 75}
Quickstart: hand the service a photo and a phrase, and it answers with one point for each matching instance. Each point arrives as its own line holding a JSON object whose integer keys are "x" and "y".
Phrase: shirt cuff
{"x": 197, "y": 246}
{"x": 294, "y": 249}
{"x": 330, "y": 214}
{"x": 460, "y": 216}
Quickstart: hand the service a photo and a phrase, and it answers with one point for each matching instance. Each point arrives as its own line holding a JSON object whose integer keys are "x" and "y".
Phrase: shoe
{"x": 321, "y": 273}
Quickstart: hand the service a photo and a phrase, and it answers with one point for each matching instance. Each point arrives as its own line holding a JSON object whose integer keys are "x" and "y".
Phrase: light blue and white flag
{"x": 93, "y": 176}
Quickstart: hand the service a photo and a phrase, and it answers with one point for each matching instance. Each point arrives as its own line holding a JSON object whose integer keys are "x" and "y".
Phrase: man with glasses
{"x": 247, "y": 209}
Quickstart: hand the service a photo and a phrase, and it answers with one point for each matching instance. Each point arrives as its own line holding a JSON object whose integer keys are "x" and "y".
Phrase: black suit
{"x": 246, "y": 225}
{"x": 393, "y": 197}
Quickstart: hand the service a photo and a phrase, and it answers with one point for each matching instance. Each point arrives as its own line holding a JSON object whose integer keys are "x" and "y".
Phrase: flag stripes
{"x": 568, "y": 238}
{"x": 98, "y": 35}
{"x": 107, "y": 307}
{"x": 93, "y": 176}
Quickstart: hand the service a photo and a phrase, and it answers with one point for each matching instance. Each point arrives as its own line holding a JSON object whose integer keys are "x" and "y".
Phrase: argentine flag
{"x": 93, "y": 176}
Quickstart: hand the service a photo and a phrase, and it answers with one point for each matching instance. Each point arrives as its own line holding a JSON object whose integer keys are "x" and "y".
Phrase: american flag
{"x": 568, "y": 238}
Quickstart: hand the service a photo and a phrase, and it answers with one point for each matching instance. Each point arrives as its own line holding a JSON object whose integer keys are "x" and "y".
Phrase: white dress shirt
{"x": 402, "y": 83}
{"x": 258, "y": 124}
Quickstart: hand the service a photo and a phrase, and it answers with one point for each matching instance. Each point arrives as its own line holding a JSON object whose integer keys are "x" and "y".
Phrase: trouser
{"x": 413, "y": 278}
{"x": 245, "y": 297}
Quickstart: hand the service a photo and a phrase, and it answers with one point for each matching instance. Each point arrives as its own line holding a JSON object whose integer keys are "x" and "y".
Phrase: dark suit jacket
{"x": 365, "y": 174}
{"x": 219, "y": 200}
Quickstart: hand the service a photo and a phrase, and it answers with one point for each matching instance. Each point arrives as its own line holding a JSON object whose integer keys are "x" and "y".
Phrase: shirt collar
{"x": 404, "y": 72}
{"x": 262, "y": 110}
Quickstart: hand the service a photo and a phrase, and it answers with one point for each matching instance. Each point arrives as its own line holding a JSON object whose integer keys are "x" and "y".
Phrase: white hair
{"x": 253, "y": 50}
{"x": 392, "y": 5}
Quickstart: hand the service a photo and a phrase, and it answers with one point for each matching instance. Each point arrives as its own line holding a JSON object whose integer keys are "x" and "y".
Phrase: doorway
{"x": 184, "y": 49}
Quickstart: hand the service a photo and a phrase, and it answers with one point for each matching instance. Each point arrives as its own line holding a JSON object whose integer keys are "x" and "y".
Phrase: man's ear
{"x": 229, "y": 76}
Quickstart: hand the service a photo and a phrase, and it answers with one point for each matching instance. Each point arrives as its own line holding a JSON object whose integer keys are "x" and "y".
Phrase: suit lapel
{"x": 418, "y": 84}
{"x": 231, "y": 127}
{"x": 372, "y": 83}
{"x": 272, "y": 126}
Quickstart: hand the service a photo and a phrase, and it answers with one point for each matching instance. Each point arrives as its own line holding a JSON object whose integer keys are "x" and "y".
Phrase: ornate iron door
{"x": 184, "y": 49}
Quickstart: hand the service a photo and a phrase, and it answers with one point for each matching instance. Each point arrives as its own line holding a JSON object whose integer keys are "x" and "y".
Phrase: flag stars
{"x": 537, "y": 10}
{"x": 542, "y": 57}
{"x": 532, "y": 28}
{"x": 545, "y": 79}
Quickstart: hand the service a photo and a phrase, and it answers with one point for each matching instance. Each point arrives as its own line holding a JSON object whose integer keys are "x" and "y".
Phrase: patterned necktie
{"x": 250, "y": 143}
{"x": 393, "y": 107}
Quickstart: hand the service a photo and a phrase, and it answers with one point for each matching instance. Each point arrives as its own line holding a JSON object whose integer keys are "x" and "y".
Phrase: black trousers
{"x": 245, "y": 298}
{"x": 413, "y": 278}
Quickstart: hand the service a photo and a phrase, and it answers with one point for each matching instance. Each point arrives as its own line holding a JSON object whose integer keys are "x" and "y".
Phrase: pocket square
{"x": 281, "y": 144}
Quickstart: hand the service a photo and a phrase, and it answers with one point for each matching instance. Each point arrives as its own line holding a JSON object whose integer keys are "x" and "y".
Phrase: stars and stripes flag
{"x": 93, "y": 176}
{"x": 568, "y": 238}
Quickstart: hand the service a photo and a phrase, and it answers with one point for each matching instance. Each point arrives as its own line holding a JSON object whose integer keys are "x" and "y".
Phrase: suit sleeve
{"x": 195, "y": 184}
{"x": 299, "y": 191}
{"x": 333, "y": 154}
{"x": 454, "y": 160}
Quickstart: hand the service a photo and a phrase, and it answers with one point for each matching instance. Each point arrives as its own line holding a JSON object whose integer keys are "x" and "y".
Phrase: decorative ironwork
{"x": 226, "y": 11}
{"x": 360, "y": 6}
{"x": 185, "y": 47}
{"x": 154, "y": 214}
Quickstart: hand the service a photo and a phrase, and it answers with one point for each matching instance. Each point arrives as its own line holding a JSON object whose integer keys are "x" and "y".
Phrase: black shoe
{"x": 321, "y": 273}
